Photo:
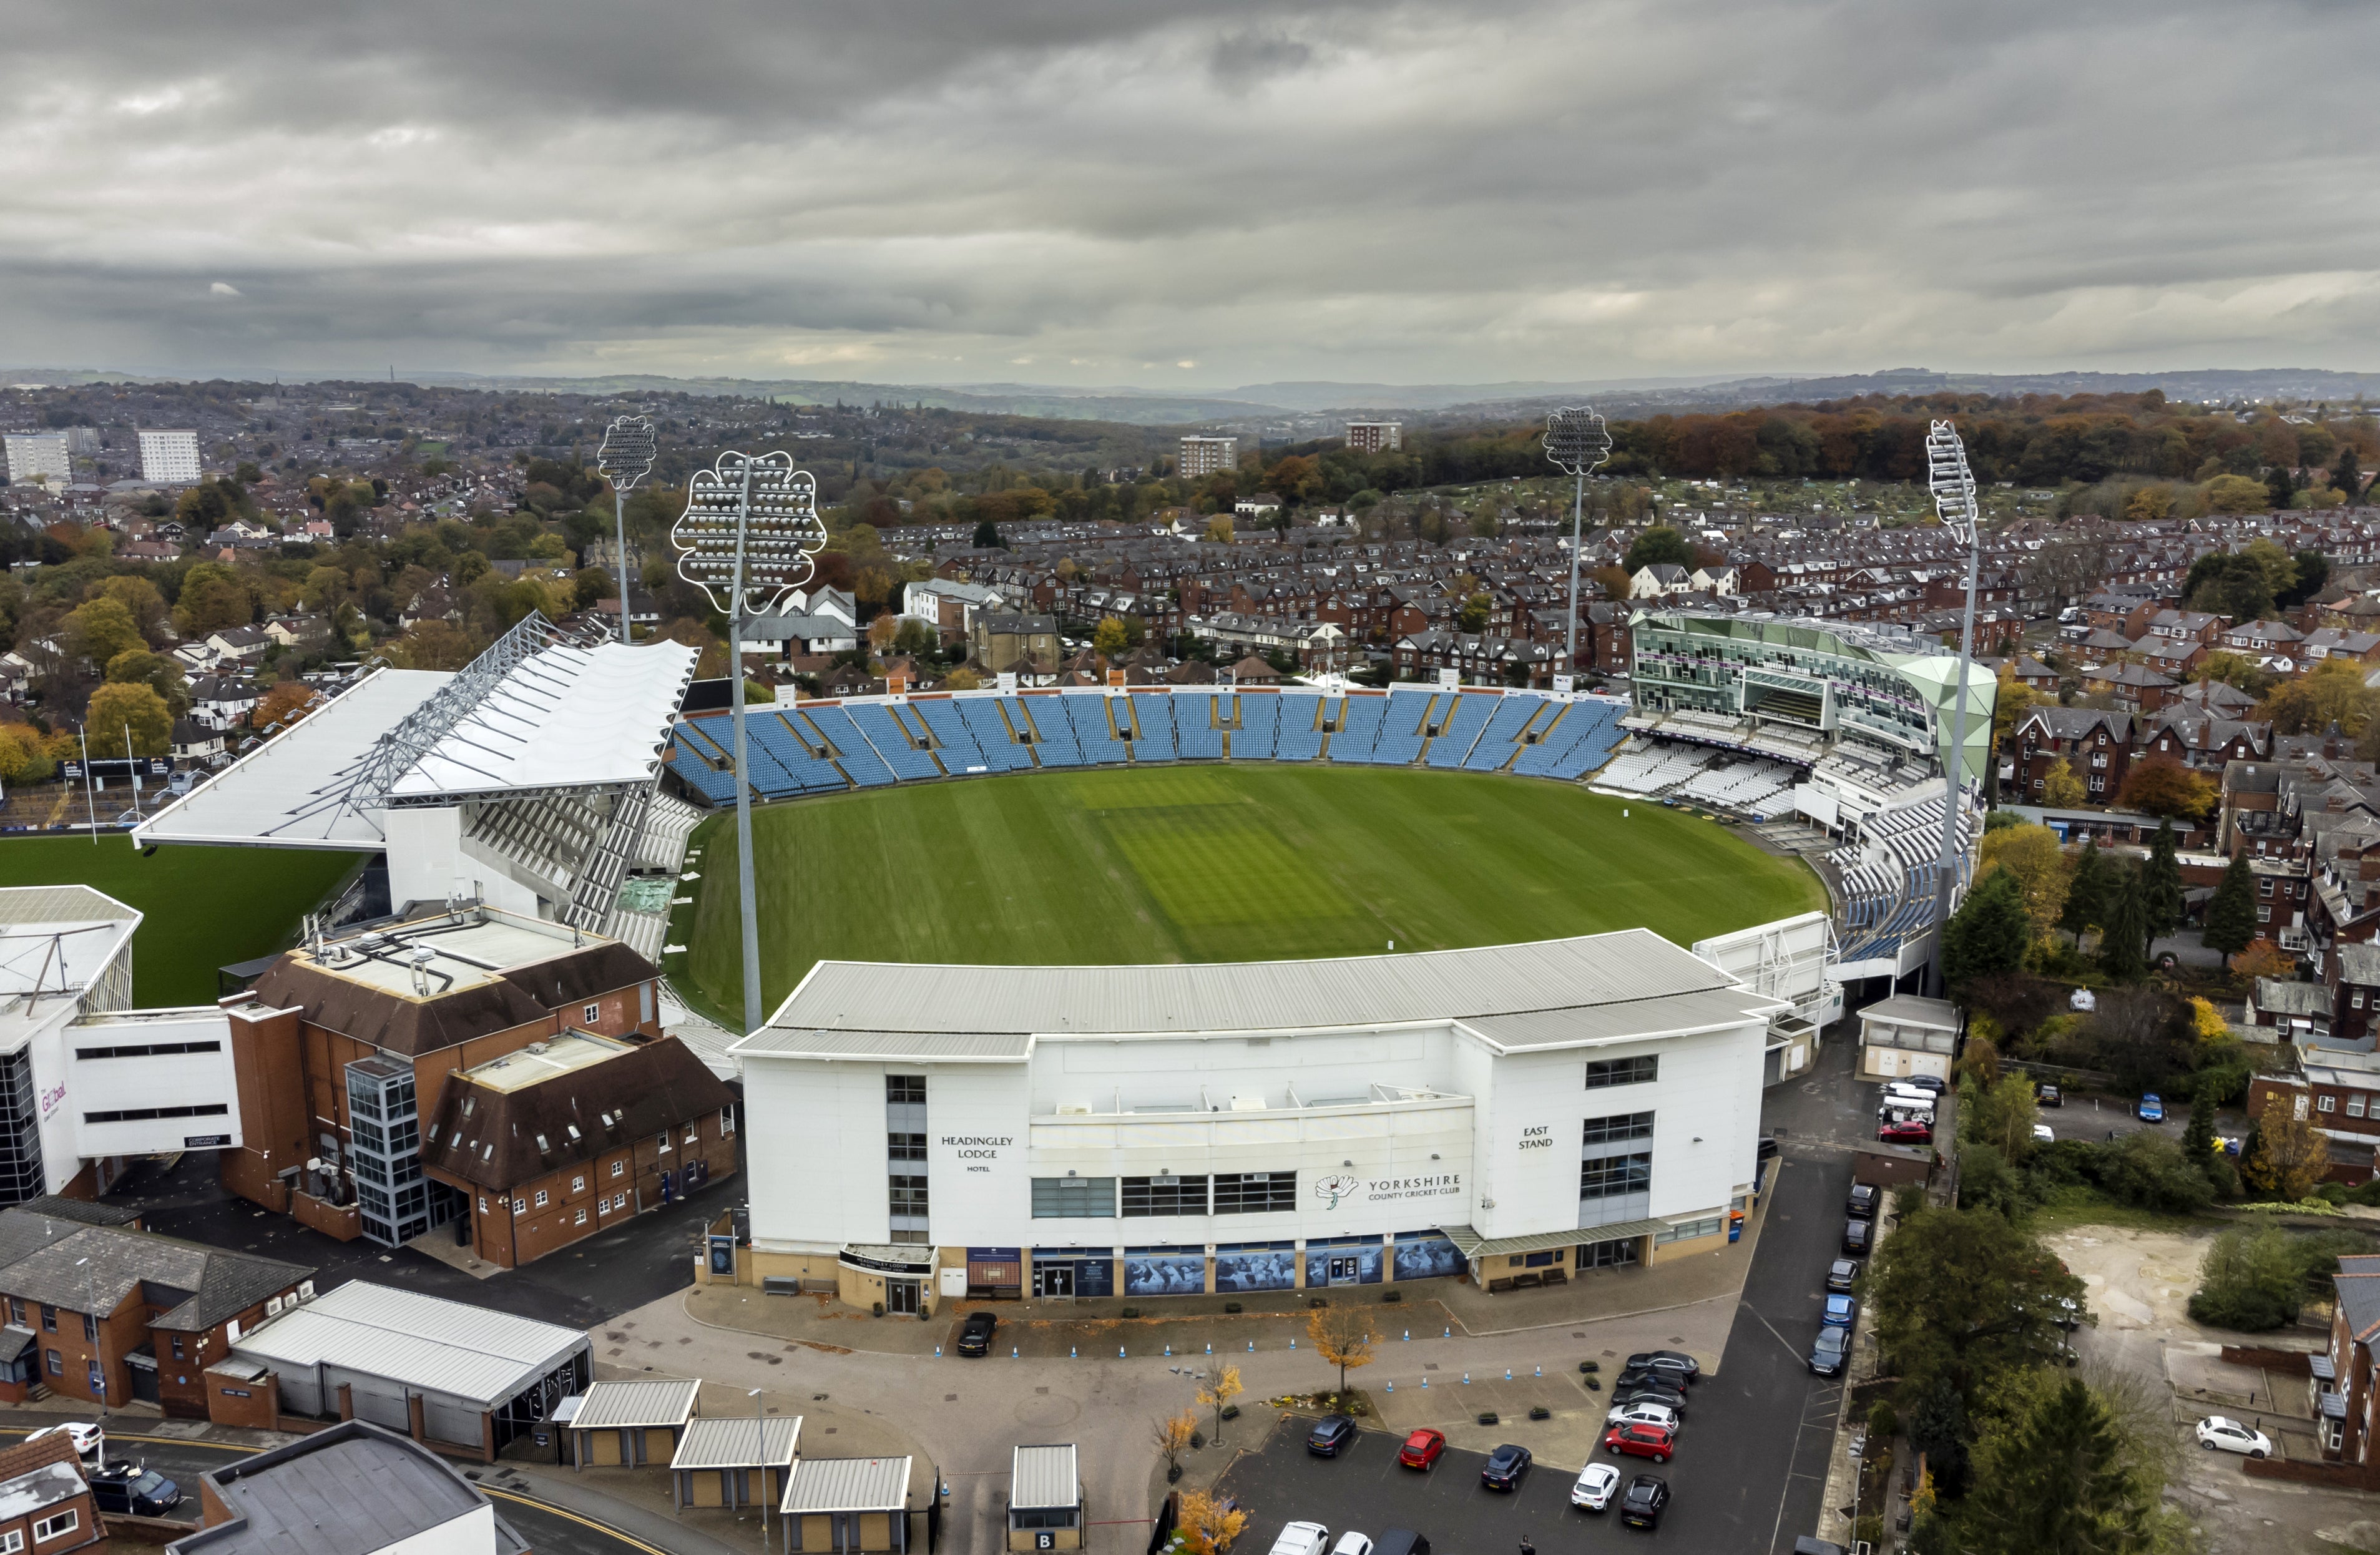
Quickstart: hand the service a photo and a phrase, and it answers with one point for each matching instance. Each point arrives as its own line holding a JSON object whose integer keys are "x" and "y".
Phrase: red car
{"x": 1641, "y": 1441}
{"x": 1422, "y": 1449}
{"x": 1906, "y": 1134}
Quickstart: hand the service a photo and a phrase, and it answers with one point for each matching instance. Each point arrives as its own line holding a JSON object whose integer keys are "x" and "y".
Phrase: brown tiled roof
{"x": 409, "y": 1025}
{"x": 25, "y": 1456}
{"x": 642, "y": 1090}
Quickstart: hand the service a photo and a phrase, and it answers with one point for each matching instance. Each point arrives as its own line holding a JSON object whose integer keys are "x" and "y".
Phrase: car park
{"x": 1505, "y": 1468}
{"x": 1331, "y": 1435}
{"x": 1833, "y": 1347}
{"x": 1422, "y": 1449}
{"x": 2151, "y": 1107}
{"x": 1643, "y": 1502}
{"x": 2046, "y": 1095}
{"x": 1301, "y": 1539}
{"x": 2218, "y": 1434}
{"x": 1675, "y": 1362}
{"x": 1596, "y": 1484}
{"x": 1862, "y": 1202}
{"x": 131, "y": 1489}
{"x": 1841, "y": 1274}
{"x": 974, "y": 1334}
{"x": 1857, "y": 1236}
{"x": 1646, "y": 1414}
{"x": 1840, "y": 1312}
{"x": 1640, "y": 1441}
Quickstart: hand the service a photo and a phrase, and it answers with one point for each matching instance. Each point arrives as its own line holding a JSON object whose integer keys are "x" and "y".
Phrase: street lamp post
{"x": 748, "y": 535}
{"x": 1953, "y": 485}
{"x": 626, "y": 455}
{"x": 1576, "y": 441}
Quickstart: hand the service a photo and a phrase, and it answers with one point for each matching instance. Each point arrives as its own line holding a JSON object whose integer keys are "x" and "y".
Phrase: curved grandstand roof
{"x": 1612, "y": 985}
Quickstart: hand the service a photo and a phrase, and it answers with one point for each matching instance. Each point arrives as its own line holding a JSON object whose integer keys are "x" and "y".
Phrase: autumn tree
{"x": 283, "y": 704}
{"x": 134, "y": 711}
{"x": 1109, "y": 640}
{"x": 1613, "y": 581}
{"x": 100, "y": 628}
{"x": 883, "y": 632}
{"x": 961, "y": 679}
{"x": 2163, "y": 786}
{"x": 2290, "y": 1151}
{"x": 2332, "y": 692}
{"x": 1344, "y": 1335}
{"x": 212, "y": 600}
{"x": 1207, "y": 1525}
{"x": 1172, "y": 1435}
{"x": 22, "y": 756}
{"x": 2060, "y": 789}
{"x": 2262, "y": 959}
{"x": 142, "y": 602}
{"x": 2033, "y": 855}
{"x": 2000, "y": 1115}
{"x": 1217, "y": 1389}
{"x": 432, "y": 645}
{"x": 155, "y": 670}
{"x": 1218, "y": 529}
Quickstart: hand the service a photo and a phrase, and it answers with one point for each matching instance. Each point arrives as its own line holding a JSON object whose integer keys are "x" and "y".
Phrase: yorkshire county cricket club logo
{"x": 1336, "y": 1187}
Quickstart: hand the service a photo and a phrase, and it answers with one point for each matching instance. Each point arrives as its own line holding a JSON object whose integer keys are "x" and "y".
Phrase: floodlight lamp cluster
{"x": 628, "y": 451}
{"x": 756, "y": 512}
{"x": 1577, "y": 441}
{"x": 1952, "y": 483}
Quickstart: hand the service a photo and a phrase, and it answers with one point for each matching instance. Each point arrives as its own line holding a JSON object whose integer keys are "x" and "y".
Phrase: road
{"x": 548, "y": 1528}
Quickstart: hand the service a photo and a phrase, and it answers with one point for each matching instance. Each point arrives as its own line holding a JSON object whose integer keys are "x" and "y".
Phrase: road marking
{"x": 628, "y": 1540}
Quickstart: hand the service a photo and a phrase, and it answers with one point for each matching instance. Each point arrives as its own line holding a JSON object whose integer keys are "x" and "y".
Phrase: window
{"x": 57, "y": 1526}
{"x": 16, "y": 1311}
{"x": 662, "y": 1142}
{"x": 909, "y": 1195}
{"x": 578, "y": 1184}
{"x": 11, "y": 1542}
{"x": 693, "y": 1134}
{"x": 2358, "y": 1001}
{"x": 905, "y": 1147}
{"x": 1687, "y": 1231}
{"x": 726, "y": 1122}
{"x": 2327, "y": 1103}
{"x": 1607, "y": 1175}
{"x": 619, "y": 1202}
{"x": 57, "y": 1362}
{"x": 2264, "y": 915}
{"x": 592, "y": 1014}
{"x": 619, "y": 1168}
{"x": 2355, "y": 1105}
{"x": 1074, "y": 1199}
{"x": 1254, "y": 1193}
{"x": 901, "y": 1089}
{"x": 140, "y": 1114}
{"x": 519, "y": 1207}
{"x": 581, "y": 1219}
{"x": 2264, "y": 887}
{"x": 1145, "y": 1196}
{"x": 90, "y": 1328}
{"x": 177, "y": 1347}
{"x": 148, "y": 1050}
{"x": 541, "y": 1198}
{"x": 49, "y": 1318}
{"x": 1604, "y": 1072}
{"x": 1626, "y": 1126}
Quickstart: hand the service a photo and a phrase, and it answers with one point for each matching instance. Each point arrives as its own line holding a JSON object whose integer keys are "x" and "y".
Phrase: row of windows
{"x": 1227, "y": 1193}
{"x": 137, "y": 1114}
{"x": 148, "y": 1049}
{"x": 1604, "y": 1072}
{"x": 1687, "y": 1231}
{"x": 1608, "y": 1175}
{"x": 50, "y": 1320}
{"x": 1145, "y": 1196}
{"x": 1620, "y": 1125}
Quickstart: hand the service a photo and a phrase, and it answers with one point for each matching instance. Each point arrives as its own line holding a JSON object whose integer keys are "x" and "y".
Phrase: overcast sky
{"x": 1188, "y": 194}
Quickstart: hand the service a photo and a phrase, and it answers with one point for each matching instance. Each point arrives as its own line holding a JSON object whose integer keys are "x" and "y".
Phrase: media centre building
{"x": 1515, "y": 1113}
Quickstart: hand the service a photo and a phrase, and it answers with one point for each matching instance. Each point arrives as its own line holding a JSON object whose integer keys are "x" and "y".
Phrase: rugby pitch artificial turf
{"x": 1211, "y": 863}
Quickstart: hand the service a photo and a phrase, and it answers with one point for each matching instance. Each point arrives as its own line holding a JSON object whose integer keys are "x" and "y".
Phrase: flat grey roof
{"x": 350, "y": 1490}
{"x": 1471, "y": 1244}
{"x": 847, "y": 1485}
{"x": 1629, "y": 966}
{"x": 612, "y": 1406}
{"x": 1044, "y": 1476}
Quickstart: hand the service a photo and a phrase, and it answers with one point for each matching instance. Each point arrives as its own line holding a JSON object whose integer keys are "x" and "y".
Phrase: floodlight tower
{"x": 748, "y": 535}
{"x": 1577, "y": 441}
{"x": 626, "y": 455}
{"x": 1953, "y": 486}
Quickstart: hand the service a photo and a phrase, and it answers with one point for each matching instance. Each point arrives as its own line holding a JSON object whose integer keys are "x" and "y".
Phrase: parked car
{"x": 1597, "y": 1484}
{"x": 1676, "y": 1363}
{"x": 89, "y": 1441}
{"x": 1840, "y": 1312}
{"x": 1909, "y": 1133}
{"x": 1841, "y": 1274}
{"x": 1643, "y": 1502}
{"x": 1422, "y": 1449}
{"x": 131, "y": 1489}
{"x": 2046, "y": 1095}
{"x": 1505, "y": 1466}
{"x": 2041, "y": 1136}
{"x": 1923, "y": 1082}
{"x": 1640, "y": 1441}
{"x": 1827, "y": 1356}
{"x": 1330, "y": 1436}
{"x": 1862, "y": 1200}
{"x": 1856, "y": 1237}
{"x": 1666, "y": 1395}
{"x": 974, "y": 1334}
{"x": 1351, "y": 1543}
{"x": 1645, "y": 1413}
{"x": 2230, "y": 1436}
{"x": 2151, "y": 1107}
{"x": 1301, "y": 1539}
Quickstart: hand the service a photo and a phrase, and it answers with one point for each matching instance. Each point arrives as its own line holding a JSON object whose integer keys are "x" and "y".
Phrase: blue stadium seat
{"x": 879, "y": 729}
{"x": 1300, "y": 738}
{"x": 1054, "y": 744}
{"x": 1197, "y": 731}
{"x": 1152, "y": 714}
{"x": 1400, "y": 739}
{"x": 1578, "y": 741}
{"x": 984, "y": 719}
{"x": 1514, "y": 711}
{"x": 1259, "y": 727}
{"x": 1461, "y": 729}
{"x": 1359, "y": 726}
{"x": 716, "y": 787}
{"x": 833, "y": 728}
{"x": 1091, "y": 732}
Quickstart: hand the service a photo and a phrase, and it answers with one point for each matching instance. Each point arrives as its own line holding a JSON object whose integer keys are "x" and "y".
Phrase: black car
{"x": 130, "y": 1489}
{"x": 1330, "y": 1436}
{"x": 1642, "y": 1503}
{"x": 2047, "y": 1095}
{"x": 1672, "y": 1363}
{"x": 1863, "y": 1201}
{"x": 1648, "y": 1390}
{"x": 974, "y": 1334}
{"x": 1856, "y": 1235}
{"x": 1505, "y": 1468}
{"x": 1827, "y": 1356}
{"x": 1841, "y": 1274}
{"x": 1923, "y": 1082}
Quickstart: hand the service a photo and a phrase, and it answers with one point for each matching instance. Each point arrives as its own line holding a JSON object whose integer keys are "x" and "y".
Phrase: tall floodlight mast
{"x": 749, "y": 533}
{"x": 1953, "y": 486}
{"x": 1577, "y": 441}
{"x": 626, "y": 457}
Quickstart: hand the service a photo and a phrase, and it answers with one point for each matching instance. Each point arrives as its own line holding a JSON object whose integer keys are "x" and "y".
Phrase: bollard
{"x": 1425, "y": 1381}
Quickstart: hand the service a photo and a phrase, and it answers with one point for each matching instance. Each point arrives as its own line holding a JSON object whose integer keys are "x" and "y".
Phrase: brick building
{"x": 569, "y": 1137}
{"x": 46, "y": 1507}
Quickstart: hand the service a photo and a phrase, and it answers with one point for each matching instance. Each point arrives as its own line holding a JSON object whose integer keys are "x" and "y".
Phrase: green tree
{"x": 2060, "y": 789}
{"x": 160, "y": 674}
{"x": 1963, "y": 1295}
{"x": 2231, "y": 583}
{"x": 137, "y": 709}
{"x": 1989, "y": 932}
{"x": 2198, "y": 1134}
{"x": 1937, "y": 1429}
{"x": 2280, "y": 487}
{"x": 2124, "y": 933}
{"x": 212, "y": 600}
{"x": 100, "y": 628}
{"x": 2161, "y": 884}
{"x": 2248, "y": 1280}
{"x": 2149, "y": 1170}
{"x": 1474, "y": 616}
{"x": 2086, "y": 893}
{"x": 2231, "y": 913}
{"x": 1109, "y": 640}
{"x": 1657, "y": 545}
{"x": 2314, "y": 568}
{"x": 2055, "y": 1481}
{"x": 2000, "y": 1115}
{"x": 987, "y": 536}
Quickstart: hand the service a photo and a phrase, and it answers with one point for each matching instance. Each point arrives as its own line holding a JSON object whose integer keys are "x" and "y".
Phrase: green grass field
{"x": 1212, "y": 863}
{"x": 203, "y": 907}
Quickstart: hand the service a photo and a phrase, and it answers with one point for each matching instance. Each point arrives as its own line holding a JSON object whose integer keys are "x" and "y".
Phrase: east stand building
{"x": 1514, "y": 1110}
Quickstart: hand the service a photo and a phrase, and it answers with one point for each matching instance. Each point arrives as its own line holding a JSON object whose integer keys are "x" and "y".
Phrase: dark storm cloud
{"x": 1092, "y": 191}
